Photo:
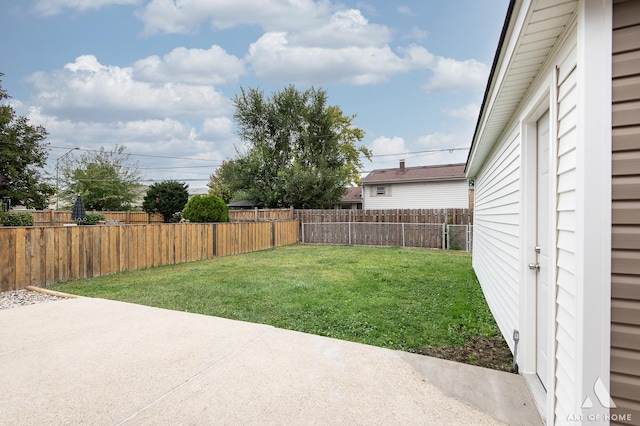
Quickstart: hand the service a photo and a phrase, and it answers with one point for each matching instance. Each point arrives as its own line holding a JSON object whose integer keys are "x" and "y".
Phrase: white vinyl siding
{"x": 496, "y": 233}
{"x": 566, "y": 326}
{"x": 418, "y": 195}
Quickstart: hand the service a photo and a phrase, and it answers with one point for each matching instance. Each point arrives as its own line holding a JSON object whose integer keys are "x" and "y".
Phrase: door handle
{"x": 534, "y": 266}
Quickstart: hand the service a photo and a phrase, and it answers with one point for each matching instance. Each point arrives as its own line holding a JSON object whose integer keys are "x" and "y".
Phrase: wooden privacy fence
{"x": 59, "y": 217}
{"x": 41, "y": 256}
{"x": 449, "y": 216}
{"x": 439, "y": 216}
{"x": 260, "y": 215}
{"x": 424, "y": 235}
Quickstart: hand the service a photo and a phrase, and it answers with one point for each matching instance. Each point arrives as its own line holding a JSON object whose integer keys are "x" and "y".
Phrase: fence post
{"x": 302, "y": 233}
{"x": 444, "y": 236}
{"x": 273, "y": 234}
{"x": 349, "y": 233}
{"x": 403, "y": 244}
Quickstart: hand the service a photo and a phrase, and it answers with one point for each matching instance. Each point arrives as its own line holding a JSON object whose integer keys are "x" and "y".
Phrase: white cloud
{"x": 145, "y": 140}
{"x": 272, "y": 57}
{"x": 431, "y": 149}
{"x": 184, "y": 17}
{"x": 86, "y": 90}
{"x": 387, "y": 146}
{"x": 469, "y": 111}
{"x": 217, "y": 127}
{"x": 451, "y": 75}
{"x": 344, "y": 28}
{"x": 54, "y": 7}
{"x": 305, "y": 41}
{"x": 405, "y": 10}
{"x": 417, "y": 34}
{"x": 193, "y": 66}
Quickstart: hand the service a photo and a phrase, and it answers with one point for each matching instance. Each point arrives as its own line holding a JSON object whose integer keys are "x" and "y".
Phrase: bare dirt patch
{"x": 488, "y": 352}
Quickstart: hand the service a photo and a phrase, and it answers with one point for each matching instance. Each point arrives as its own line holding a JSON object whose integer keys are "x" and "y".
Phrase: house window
{"x": 380, "y": 190}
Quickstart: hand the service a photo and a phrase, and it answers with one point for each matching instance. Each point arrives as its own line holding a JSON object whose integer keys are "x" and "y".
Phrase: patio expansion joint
{"x": 203, "y": 369}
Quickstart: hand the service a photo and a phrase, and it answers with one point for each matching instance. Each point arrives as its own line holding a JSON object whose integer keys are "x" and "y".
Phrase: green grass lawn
{"x": 395, "y": 298}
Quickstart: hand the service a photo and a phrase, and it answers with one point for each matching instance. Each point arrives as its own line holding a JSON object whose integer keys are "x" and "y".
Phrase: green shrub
{"x": 17, "y": 219}
{"x": 205, "y": 209}
{"x": 91, "y": 219}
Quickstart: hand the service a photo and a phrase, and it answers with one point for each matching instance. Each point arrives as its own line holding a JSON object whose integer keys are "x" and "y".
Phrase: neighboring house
{"x": 352, "y": 200}
{"x": 556, "y": 163}
{"x": 242, "y": 204}
{"x": 425, "y": 187}
{"x": 198, "y": 191}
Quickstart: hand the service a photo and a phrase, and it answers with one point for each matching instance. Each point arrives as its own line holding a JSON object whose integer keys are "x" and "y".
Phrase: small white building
{"x": 556, "y": 163}
{"x": 424, "y": 187}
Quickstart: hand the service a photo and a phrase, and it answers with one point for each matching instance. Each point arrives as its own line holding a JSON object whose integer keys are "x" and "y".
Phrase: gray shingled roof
{"x": 412, "y": 174}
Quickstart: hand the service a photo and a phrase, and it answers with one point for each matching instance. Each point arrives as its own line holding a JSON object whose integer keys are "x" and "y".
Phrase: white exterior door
{"x": 542, "y": 250}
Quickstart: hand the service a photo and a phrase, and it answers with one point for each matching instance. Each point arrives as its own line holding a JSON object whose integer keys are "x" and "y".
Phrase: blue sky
{"x": 159, "y": 76}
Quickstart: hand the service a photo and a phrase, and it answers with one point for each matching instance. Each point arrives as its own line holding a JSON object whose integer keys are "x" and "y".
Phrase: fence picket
{"x": 45, "y": 255}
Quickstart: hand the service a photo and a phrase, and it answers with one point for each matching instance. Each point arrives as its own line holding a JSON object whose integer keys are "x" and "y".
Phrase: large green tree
{"x": 300, "y": 151}
{"x": 167, "y": 198}
{"x": 22, "y": 158}
{"x": 106, "y": 180}
{"x": 220, "y": 182}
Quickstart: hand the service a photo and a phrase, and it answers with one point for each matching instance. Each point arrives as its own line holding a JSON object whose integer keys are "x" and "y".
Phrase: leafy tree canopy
{"x": 106, "y": 180}
{"x": 167, "y": 198}
{"x": 22, "y": 158}
{"x": 300, "y": 151}
{"x": 219, "y": 183}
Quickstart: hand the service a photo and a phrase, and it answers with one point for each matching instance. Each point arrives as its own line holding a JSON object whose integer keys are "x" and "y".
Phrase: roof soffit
{"x": 535, "y": 28}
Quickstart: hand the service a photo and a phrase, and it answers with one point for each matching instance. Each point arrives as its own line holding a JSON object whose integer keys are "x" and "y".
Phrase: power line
{"x": 142, "y": 155}
{"x": 429, "y": 151}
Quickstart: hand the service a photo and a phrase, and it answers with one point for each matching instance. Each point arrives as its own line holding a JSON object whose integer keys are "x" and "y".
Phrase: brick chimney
{"x": 401, "y": 166}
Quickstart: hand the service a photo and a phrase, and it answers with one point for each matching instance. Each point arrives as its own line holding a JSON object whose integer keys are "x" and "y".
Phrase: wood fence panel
{"x": 220, "y": 236}
{"x": 21, "y": 271}
{"x": 141, "y": 247}
{"x": 7, "y": 260}
{"x": 45, "y": 255}
{"x": 202, "y": 241}
{"x": 73, "y": 252}
{"x": 61, "y": 217}
{"x": 285, "y": 233}
{"x": 114, "y": 253}
{"x": 96, "y": 242}
{"x": 178, "y": 254}
{"x": 49, "y": 256}
{"x": 31, "y": 267}
{"x": 106, "y": 247}
{"x": 260, "y": 215}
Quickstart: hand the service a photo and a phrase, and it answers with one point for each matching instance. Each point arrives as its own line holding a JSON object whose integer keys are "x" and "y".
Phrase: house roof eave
{"x": 517, "y": 67}
{"x": 417, "y": 180}
{"x": 507, "y": 28}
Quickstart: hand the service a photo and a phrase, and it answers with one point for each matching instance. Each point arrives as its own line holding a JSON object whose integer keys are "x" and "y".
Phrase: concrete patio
{"x": 94, "y": 361}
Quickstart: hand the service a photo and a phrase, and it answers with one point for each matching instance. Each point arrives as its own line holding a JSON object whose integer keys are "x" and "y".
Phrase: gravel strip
{"x": 16, "y": 298}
